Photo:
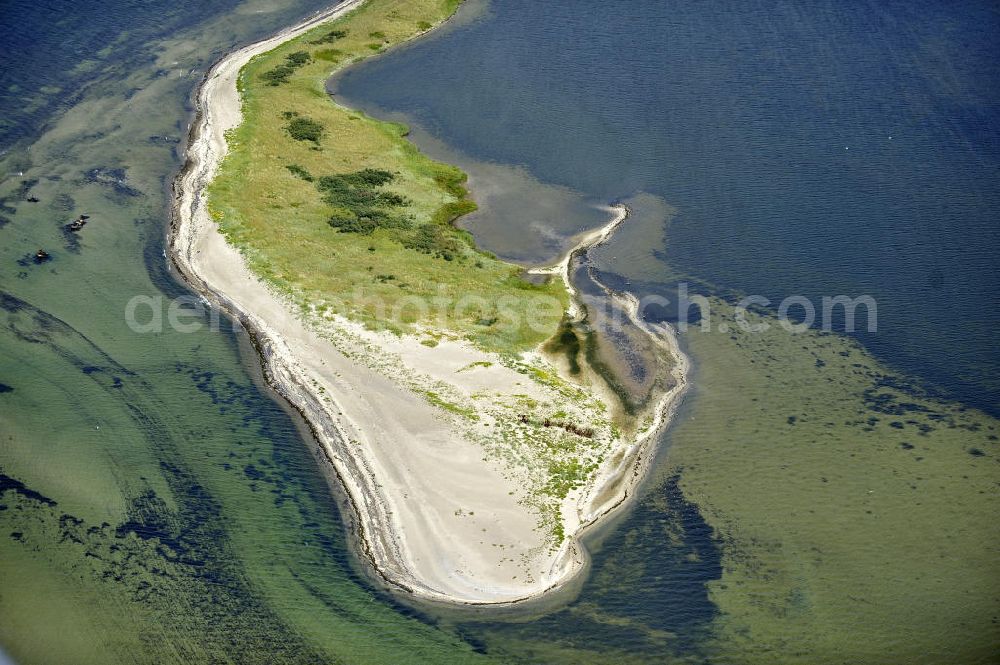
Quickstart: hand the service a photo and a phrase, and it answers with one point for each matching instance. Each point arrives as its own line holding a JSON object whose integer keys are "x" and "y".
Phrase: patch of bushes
{"x": 280, "y": 74}
{"x": 300, "y": 172}
{"x": 424, "y": 25}
{"x": 359, "y": 206}
{"x": 298, "y": 58}
{"x": 369, "y": 177}
{"x": 434, "y": 240}
{"x": 305, "y": 129}
{"x": 358, "y": 189}
{"x": 330, "y": 37}
{"x": 364, "y": 221}
{"x": 377, "y": 34}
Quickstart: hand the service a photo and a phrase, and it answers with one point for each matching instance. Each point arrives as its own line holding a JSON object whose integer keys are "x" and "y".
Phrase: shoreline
{"x": 294, "y": 358}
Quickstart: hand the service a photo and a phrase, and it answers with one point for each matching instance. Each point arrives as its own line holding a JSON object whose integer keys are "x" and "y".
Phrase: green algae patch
{"x": 324, "y": 202}
{"x": 853, "y": 516}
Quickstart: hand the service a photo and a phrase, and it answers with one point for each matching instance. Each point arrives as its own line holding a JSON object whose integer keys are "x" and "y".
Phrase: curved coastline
{"x": 217, "y": 271}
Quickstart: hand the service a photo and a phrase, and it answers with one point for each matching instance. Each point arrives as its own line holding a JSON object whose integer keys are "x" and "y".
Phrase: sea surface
{"x": 157, "y": 504}
{"x": 811, "y": 149}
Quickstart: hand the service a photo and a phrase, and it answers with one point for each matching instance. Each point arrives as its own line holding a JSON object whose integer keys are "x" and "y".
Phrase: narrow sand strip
{"x": 435, "y": 517}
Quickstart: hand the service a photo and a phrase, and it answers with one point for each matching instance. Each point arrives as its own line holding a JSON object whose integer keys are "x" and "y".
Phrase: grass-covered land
{"x": 341, "y": 212}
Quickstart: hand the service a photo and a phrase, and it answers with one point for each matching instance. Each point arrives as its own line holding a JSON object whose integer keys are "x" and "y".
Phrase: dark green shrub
{"x": 300, "y": 172}
{"x": 280, "y": 74}
{"x": 372, "y": 177}
{"x": 352, "y": 190}
{"x": 360, "y": 207}
{"x": 298, "y": 58}
{"x": 365, "y": 222}
{"x": 330, "y": 37}
{"x": 349, "y": 224}
{"x": 305, "y": 129}
{"x": 434, "y": 240}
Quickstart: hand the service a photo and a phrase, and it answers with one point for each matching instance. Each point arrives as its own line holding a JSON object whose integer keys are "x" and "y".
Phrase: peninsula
{"x": 460, "y": 399}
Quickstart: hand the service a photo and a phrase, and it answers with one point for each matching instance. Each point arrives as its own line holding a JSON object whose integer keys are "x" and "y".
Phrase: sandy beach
{"x": 437, "y": 516}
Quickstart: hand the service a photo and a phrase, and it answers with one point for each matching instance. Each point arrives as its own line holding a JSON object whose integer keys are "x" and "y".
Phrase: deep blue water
{"x": 52, "y": 49}
{"x": 815, "y": 148}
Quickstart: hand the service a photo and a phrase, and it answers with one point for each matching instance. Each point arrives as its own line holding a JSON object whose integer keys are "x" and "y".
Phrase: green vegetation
{"x": 358, "y": 207}
{"x": 280, "y": 74}
{"x": 300, "y": 172}
{"x": 433, "y": 240}
{"x": 305, "y": 129}
{"x": 473, "y": 365}
{"x": 321, "y": 198}
{"x": 329, "y": 37}
{"x": 436, "y": 399}
{"x": 565, "y": 475}
{"x": 328, "y": 54}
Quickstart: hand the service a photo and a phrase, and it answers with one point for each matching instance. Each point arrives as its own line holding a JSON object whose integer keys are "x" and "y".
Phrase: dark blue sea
{"x": 808, "y": 148}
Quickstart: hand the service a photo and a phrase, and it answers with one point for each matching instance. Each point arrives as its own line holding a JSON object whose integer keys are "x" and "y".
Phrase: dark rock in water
{"x": 4, "y": 388}
{"x": 84, "y": 217}
{"x": 32, "y": 199}
{"x": 41, "y": 256}
{"x": 164, "y": 139}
